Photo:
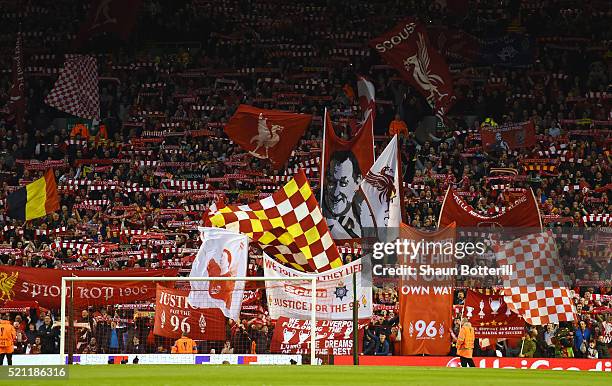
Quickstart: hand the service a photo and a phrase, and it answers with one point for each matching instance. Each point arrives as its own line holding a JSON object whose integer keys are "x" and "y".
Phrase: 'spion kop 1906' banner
{"x": 44, "y": 286}
{"x": 334, "y": 292}
{"x": 333, "y": 337}
{"x": 175, "y": 316}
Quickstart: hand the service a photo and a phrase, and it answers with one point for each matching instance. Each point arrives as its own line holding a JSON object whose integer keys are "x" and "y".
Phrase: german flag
{"x": 34, "y": 200}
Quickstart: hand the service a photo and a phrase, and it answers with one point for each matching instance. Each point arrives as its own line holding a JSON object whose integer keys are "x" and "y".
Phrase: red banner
{"x": 334, "y": 337}
{"x": 407, "y": 48}
{"x": 490, "y": 316}
{"x": 426, "y": 306}
{"x": 175, "y": 316}
{"x": 270, "y": 134}
{"x": 44, "y": 286}
{"x": 523, "y": 212}
{"x": 506, "y": 137}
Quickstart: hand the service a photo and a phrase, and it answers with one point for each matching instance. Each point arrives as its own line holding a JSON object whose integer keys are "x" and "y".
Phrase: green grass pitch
{"x": 149, "y": 375}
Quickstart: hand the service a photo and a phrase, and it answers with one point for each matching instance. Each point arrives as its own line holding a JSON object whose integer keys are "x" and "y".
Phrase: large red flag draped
{"x": 343, "y": 165}
{"x": 114, "y": 16}
{"x": 523, "y": 212}
{"x": 426, "y": 303}
{"x": 174, "y": 315}
{"x": 17, "y": 103}
{"x": 511, "y": 136}
{"x": 270, "y": 134}
{"x": 490, "y": 316}
{"x": 407, "y": 48}
{"x": 44, "y": 286}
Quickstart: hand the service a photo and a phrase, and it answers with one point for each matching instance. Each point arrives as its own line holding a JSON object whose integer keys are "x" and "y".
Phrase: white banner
{"x": 223, "y": 253}
{"x": 334, "y": 293}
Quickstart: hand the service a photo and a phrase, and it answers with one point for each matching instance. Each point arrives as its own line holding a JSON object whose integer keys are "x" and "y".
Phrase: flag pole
{"x": 323, "y": 158}
{"x": 401, "y": 181}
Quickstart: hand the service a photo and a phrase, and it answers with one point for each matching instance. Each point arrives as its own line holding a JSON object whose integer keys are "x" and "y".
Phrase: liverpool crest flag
{"x": 268, "y": 134}
{"x": 406, "y": 47}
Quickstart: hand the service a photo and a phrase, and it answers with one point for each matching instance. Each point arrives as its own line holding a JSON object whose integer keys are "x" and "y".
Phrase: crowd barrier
{"x": 483, "y": 362}
{"x": 158, "y": 359}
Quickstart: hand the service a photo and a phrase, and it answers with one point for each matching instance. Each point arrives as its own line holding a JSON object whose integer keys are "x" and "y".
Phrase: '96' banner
{"x": 175, "y": 316}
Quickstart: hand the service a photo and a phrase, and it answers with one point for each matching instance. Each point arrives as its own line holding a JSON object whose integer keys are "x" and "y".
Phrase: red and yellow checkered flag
{"x": 288, "y": 225}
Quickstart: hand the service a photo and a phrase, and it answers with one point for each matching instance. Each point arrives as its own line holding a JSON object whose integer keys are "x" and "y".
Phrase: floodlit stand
{"x": 72, "y": 279}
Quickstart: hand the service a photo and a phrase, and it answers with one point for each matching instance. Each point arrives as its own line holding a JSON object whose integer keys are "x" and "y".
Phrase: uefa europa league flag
{"x": 270, "y": 134}
{"x": 223, "y": 253}
{"x": 381, "y": 188}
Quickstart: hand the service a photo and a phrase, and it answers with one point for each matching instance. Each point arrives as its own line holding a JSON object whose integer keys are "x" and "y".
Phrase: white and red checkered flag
{"x": 288, "y": 225}
{"x": 76, "y": 89}
{"x": 537, "y": 289}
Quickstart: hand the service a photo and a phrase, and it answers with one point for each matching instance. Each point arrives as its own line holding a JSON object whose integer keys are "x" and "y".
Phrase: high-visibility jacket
{"x": 465, "y": 342}
{"x": 7, "y": 337}
{"x": 80, "y": 129}
{"x": 398, "y": 127}
{"x": 185, "y": 345}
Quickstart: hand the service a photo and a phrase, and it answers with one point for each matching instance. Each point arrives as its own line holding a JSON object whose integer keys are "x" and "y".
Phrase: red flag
{"x": 17, "y": 103}
{"x": 115, "y": 16}
{"x": 407, "y": 48}
{"x": 523, "y": 212}
{"x": 270, "y": 134}
{"x": 490, "y": 316}
{"x": 344, "y": 164}
{"x": 511, "y": 136}
{"x": 454, "y": 43}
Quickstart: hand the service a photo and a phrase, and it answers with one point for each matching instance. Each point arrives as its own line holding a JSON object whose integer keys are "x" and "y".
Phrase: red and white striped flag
{"x": 76, "y": 90}
{"x": 537, "y": 289}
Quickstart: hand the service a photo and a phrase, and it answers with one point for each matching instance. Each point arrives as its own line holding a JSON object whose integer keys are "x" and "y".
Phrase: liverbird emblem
{"x": 419, "y": 63}
{"x": 383, "y": 183}
{"x": 266, "y": 137}
{"x": 6, "y": 285}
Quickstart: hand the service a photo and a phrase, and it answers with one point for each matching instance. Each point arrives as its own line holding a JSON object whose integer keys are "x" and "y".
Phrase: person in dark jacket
{"x": 49, "y": 336}
{"x": 382, "y": 346}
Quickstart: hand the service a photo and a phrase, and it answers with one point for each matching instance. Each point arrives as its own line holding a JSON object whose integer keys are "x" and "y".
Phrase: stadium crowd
{"x": 128, "y": 188}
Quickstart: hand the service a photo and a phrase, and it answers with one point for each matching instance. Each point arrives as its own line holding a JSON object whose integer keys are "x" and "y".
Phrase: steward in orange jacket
{"x": 185, "y": 345}
{"x": 465, "y": 344}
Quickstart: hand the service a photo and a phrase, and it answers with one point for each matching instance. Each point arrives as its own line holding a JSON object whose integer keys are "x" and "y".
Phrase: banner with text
{"x": 334, "y": 292}
{"x": 490, "y": 316}
{"x": 333, "y": 337}
{"x": 426, "y": 301}
{"x": 175, "y": 316}
{"x": 44, "y": 286}
{"x": 511, "y": 136}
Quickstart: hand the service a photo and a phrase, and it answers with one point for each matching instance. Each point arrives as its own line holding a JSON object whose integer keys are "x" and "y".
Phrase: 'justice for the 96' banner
{"x": 175, "y": 316}
{"x": 333, "y": 337}
{"x": 334, "y": 292}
